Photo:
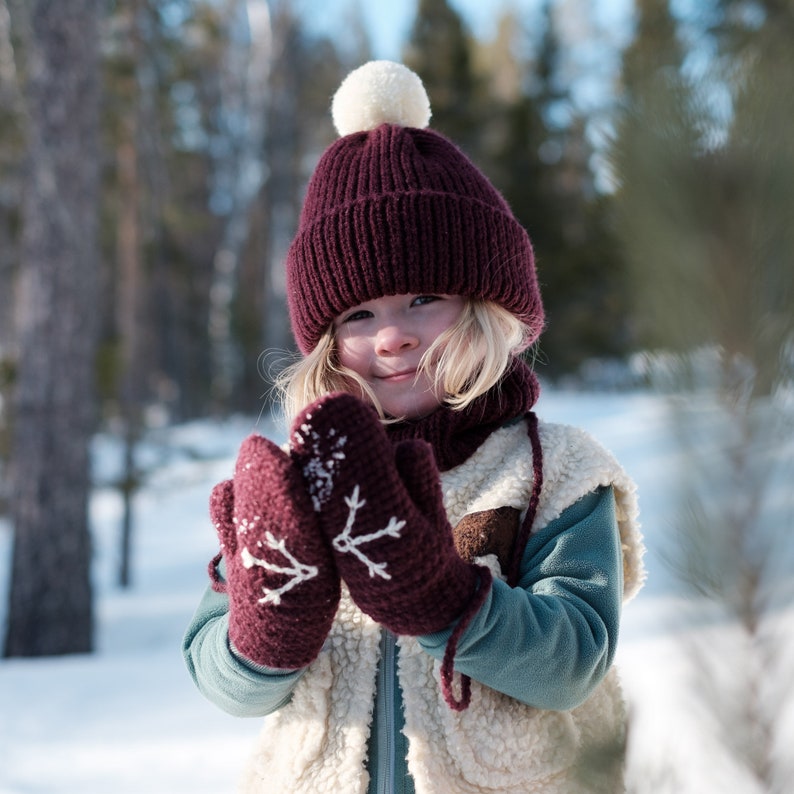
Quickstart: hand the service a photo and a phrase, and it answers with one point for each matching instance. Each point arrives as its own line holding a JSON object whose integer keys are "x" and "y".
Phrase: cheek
{"x": 442, "y": 324}
{"x": 352, "y": 354}
{"x": 449, "y": 314}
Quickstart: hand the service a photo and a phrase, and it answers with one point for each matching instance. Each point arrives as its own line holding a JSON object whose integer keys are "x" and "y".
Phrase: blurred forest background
{"x": 153, "y": 157}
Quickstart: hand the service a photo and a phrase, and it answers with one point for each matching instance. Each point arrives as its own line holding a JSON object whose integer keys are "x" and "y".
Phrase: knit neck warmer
{"x": 456, "y": 435}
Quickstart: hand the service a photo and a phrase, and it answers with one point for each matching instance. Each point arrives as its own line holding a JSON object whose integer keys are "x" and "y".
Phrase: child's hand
{"x": 381, "y": 509}
{"x": 281, "y": 578}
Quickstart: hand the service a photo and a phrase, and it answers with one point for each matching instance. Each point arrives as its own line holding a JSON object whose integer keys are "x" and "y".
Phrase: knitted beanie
{"x": 394, "y": 208}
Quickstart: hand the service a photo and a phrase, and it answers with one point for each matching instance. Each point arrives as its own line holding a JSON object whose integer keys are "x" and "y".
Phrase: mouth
{"x": 398, "y": 377}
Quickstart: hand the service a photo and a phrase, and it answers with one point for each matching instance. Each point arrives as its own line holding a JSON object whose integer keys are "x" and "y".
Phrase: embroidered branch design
{"x": 345, "y": 544}
{"x": 297, "y": 571}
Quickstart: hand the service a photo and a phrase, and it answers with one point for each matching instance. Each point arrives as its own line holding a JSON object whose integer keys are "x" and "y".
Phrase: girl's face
{"x": 383, "y": 341}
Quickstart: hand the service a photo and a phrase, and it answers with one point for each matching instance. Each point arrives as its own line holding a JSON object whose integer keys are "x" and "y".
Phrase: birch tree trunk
{"x": 50, "y": 609}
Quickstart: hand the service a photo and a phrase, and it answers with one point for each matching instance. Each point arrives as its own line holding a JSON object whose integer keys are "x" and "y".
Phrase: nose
{"x": 393, "y": 338}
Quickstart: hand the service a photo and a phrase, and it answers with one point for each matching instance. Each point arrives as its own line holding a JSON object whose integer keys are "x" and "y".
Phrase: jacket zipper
{"x": 386, "y": 721}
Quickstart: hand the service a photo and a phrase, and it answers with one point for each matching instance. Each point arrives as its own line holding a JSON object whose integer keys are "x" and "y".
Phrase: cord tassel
{"x": 448, "y": 662}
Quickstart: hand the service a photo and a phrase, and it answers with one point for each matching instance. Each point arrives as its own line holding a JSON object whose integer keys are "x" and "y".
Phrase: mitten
{"x": 281, "y": 579}
{"x": 381, "y": 509}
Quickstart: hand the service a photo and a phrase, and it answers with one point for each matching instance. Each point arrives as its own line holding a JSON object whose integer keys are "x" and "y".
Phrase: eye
{"x": 421, "y": 300}
{"x": 361, "y": 314}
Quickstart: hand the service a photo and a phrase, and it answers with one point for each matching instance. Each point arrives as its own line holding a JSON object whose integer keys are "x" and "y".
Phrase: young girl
{"x": 422, "y": 590}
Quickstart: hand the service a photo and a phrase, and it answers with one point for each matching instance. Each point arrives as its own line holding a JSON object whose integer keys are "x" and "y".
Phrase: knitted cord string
{"x": 448, "y": 662}
{"x": 537, "y": 484}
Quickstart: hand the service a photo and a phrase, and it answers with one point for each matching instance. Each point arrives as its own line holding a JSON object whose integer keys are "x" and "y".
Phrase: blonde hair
{"x": 469, "y": 358}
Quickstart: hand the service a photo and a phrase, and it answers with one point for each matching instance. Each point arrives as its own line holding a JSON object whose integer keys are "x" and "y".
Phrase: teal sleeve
{"x": 549, "y": 641}
{"x": 239, "y": 687}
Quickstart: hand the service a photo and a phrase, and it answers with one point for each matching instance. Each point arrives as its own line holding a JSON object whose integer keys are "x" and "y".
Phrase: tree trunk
{"x": 131, "y": 307}
{"x": 50, "y": 609}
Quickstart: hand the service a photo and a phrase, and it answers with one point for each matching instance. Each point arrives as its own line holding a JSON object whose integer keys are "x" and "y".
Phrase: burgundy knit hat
{"x": 393, "y": 208}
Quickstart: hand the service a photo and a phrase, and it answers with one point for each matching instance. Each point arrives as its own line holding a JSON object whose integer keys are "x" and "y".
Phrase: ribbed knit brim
{"x": 399, "y": 210}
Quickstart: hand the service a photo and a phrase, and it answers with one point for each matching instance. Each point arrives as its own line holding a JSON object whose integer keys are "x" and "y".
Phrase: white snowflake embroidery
{"x": 345, "y": 544}
{"x": 319, "y": 471}
{"x": 299, "y": 572}
{"x": 244, "y": 524}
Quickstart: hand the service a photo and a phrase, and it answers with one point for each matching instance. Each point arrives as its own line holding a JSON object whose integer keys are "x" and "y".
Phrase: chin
{"x": 410, "y": 412}
{"x": 409, "y": 406}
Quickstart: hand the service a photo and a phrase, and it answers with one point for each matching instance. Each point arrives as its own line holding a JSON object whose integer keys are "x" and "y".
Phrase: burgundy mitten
{"x": 381, "y": 508}
{"x": 282, "y": 582}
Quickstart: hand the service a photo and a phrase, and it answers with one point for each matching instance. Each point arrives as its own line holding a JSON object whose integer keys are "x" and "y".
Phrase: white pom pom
{"x": 380, "y": 92}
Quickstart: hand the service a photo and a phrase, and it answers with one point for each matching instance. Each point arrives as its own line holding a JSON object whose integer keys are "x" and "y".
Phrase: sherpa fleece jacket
{"x": 544, "y": 693}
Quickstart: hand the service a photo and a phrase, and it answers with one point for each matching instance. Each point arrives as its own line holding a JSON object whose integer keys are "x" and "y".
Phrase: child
{"x": 422, "y": 591}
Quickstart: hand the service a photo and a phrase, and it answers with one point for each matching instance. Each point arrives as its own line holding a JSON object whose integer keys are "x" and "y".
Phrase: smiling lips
{"x": 398, "y": 377}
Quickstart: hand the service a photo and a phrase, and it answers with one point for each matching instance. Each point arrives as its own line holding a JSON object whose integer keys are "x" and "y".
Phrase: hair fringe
{"x": 466, "y": 361}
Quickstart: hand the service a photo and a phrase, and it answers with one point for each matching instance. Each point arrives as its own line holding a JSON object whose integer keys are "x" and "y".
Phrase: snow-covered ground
{"x": 128, "y": 720}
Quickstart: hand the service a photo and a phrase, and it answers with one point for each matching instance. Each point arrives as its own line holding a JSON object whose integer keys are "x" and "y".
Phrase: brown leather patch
{"x": 487, "y": 532}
